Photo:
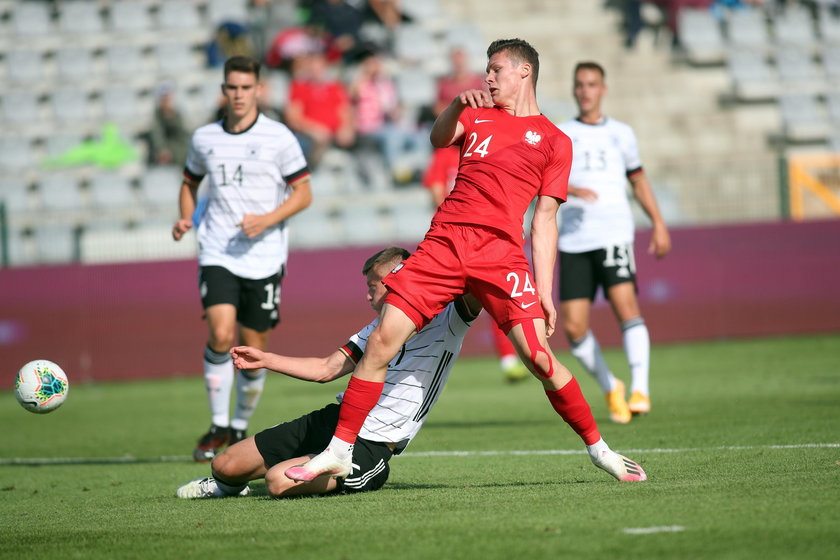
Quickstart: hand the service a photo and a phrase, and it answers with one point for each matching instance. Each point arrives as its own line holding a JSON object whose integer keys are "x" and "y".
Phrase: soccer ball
{"x": 41, "y": 386}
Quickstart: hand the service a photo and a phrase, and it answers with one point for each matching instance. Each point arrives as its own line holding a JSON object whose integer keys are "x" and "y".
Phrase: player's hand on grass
{"x": 181, "y": 227}
{"x": 476, "y": 98}
{"x": 660, "y": 241}
{"x": 253, "y": 224}
{"x": 247, "y": 357}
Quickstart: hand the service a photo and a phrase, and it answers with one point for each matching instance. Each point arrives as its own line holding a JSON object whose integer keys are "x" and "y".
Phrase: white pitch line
{"x": 583, "y": 451}
{"x": 187, "y": 458}
{"x": 651, "y": 530}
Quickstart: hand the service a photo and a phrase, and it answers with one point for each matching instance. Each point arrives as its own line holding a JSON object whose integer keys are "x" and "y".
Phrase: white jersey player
{"x": 596, "y": 241}
{"x": 257, "y": 178}
{"x": 413, "y": 384}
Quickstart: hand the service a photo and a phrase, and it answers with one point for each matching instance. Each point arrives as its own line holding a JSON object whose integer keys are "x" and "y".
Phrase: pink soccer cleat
{"x": 326, "y": 463}
{"x": 622, "y": 468}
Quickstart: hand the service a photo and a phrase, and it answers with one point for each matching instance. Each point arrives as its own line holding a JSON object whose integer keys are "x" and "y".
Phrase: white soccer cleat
{"x": 622, "y": 468}
{"x": 206, "y": 488}
{"x": 326, "y": 463}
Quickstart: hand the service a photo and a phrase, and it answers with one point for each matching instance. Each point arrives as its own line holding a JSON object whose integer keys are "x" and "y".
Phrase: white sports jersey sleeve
{"x": 247, "y": 173}
{"x": 415, "y": 378}
{"x": 604, "y": 155}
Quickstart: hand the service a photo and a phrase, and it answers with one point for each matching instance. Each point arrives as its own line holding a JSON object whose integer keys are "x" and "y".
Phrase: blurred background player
{"x": 596, "y": 241}
{"x": 168, "y": 136}
{"x": 415, "y": 381}
{"x": 512, "y": 154}
{"x": 258, "y": 178}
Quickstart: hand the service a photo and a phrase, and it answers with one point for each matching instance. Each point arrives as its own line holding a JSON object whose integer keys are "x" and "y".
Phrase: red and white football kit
{"x": 475, "y": 243}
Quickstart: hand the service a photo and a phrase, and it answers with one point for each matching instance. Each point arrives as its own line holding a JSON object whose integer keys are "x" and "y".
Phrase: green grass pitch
{"x": 726, "y": 449}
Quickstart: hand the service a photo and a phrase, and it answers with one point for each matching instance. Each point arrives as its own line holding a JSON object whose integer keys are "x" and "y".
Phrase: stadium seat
{"x": 183, "y": 18}
{"x": 72, "y": 108}
{"x": 313, "y": 228}
{"x": 127, "y": 64}
{"x": 803, "y": 118}
{"x": 21, "y": 111}
{"x": 16, "y": 153}
{"x": 830, "y": 56}
{"x": 32, "y": 19}
{"x": 60, "y": 191}
{"x": 752, "y": 76}
{"x": 21, "y": 249}
{"x": 57, "y": 144}
{"x": 794, "y": 27}
{"x": 75, "y": 65}
{"x": 829, "y": 27}
{"x": 411, "y": 221}
{"x": 80, "y": 18}
{"x": 363, "y": 224}
{"x": 799, "y": 72}
{"x": 24, "y": 68}
{"x": 832, "y": 101}
{"x": 15, "y": 194}
{"x": 159, "y": 185}
{"x": 123, "y": 105}
{"x": 128, "y": 18}
{"x": 416, "y": 88}
{"x": 56, "y": 243}
{"x": 747, "y": 29}
{"x": 111, "y": 190}
{"x": 219, "y": 11}
{"x": 175, "y": 61}
{"x": 701, "y": 36}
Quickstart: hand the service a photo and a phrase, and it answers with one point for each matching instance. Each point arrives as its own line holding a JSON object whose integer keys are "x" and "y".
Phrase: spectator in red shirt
{"x": 318, "y": 110}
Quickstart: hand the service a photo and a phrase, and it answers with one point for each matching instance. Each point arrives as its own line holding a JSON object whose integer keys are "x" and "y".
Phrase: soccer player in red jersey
{"x": 510, "y": 153}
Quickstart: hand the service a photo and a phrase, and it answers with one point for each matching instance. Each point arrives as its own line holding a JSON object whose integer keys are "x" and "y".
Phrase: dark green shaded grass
{"x": 752, "y": 501}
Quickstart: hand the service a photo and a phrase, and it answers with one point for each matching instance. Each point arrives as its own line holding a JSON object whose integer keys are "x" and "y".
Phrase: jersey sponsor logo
{"x": 532, "y": 138}
{"x": 479, "y": 121}
{"x": 254, "y": 150}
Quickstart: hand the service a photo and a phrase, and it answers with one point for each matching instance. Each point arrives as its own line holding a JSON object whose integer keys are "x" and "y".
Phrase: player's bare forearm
{"x": 320, "y": 370}
{"x": 660, "y": 243}
{"x": 186, "y": 207}
{"x": 447, "y": 129}
{"x": 299, "y": 199}
{"x": 544, "y": 243}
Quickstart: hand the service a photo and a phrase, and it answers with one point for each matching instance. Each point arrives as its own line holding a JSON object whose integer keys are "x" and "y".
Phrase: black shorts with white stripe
{"x": 310, "y": 434}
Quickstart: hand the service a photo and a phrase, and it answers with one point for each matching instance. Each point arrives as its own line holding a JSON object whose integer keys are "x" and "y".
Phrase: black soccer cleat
{"x": 237, "y": 435}
{"x": 210, "y": 443}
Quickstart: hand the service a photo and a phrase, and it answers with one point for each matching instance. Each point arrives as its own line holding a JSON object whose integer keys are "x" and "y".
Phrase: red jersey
{"x": 506, "y": 161}
{"x": 322, "y": 101}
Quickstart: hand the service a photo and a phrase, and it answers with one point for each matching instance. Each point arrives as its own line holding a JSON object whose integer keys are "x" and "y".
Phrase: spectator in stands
{"x": 460, "y": 78}
{"x": 231, "y": 38}
{"x": 378, "y": 116}
{"x": 341, "y": 24}
{"x": 318, "y": 110}
{"x": 168, "y": 136}
{"x": 291, "y": 43}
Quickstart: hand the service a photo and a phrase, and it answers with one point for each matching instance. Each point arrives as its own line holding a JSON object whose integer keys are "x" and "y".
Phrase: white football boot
{"x": 206, "y": 488}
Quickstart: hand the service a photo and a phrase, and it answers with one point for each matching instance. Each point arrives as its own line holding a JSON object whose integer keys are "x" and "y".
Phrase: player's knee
{"x": 221, "y": 339}
{"x": 223, "y": 465}
{"x": 574, "y": 330}
{"x": 277, "y": 484}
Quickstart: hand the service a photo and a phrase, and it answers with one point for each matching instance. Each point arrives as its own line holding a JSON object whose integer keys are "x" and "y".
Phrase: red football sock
{"x": 359, "y": 399}
{"x": 569, "y": 403}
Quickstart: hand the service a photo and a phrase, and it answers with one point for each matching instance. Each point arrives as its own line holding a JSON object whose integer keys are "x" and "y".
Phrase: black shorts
{"x": 310, "y": 434}
{"x": 582, "y": 273}
{"x": 257, "y": 301}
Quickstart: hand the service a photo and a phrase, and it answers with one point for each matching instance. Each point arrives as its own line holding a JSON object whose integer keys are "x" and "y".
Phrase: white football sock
{"x": 340, "y": 448}
{"x": 229, "y": 489}
{"x": 218, "y": 378}
{"x": 595, "y": 450}
{"x": 249, "y": 388}
{"x": 588, "y": 352}
{"x": 637, "y": 348}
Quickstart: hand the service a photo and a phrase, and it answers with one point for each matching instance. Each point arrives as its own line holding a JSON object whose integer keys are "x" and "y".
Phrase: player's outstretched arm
{"x": 660, "y": 239}
{"x": 299, "y": 199}
{"x": 447, "y": 129}
{"x": 320, "y": 370}
{"x": 544, "y": 253}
